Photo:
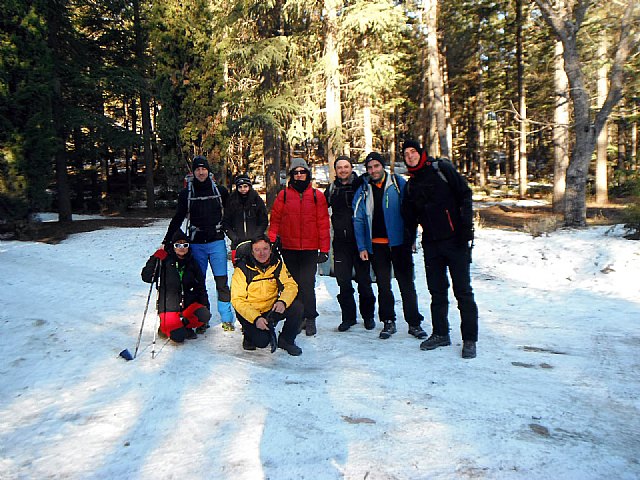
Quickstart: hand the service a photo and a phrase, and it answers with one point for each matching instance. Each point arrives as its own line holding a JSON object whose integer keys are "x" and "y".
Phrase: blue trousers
{"x": 215, "y": 254}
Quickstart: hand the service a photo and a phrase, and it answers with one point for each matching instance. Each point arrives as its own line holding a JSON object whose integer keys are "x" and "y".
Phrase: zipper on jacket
{"x": 449, "y": 218}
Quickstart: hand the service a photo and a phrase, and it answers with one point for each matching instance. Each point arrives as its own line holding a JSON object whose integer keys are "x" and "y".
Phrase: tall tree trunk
{"x": 144, "y": 105}
{"x": 566, "y": 26}
{"x": 522, "y": 105}
{"x": 57, "y": 9}
{"x": 560, "y": 131}
{"x": 367, "y": 125}
{"x": 271, "y": 149}
{"x": 332, "y": 78}
{"x": 633, "y": 160}
{"x": 602, "y": 196}
{"x": 436, "y": 82}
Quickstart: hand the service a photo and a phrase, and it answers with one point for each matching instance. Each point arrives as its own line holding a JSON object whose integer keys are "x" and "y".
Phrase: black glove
{"x": 322, "y": 257}
{"x": 465, "y": 235}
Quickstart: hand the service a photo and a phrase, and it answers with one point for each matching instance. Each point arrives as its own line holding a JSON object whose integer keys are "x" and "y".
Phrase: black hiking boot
{"x": 291, "y": 348}
{"x": 202, "y": 328}
{"x": 346, "y": 325}
{"x": 417, "y": 331}
{"x": 435, "y": 341}
{"x": 388, "y": 329}
{"x": 369, "y": 323}
{"x": 247, "y": 344}
{"x": 190, "y": 334}
{"x": 310, "y": 329}
{"x": 468, "y": 349}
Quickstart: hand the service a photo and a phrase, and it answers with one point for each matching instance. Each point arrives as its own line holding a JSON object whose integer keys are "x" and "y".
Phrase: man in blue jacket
{"x": 381, "y": 238}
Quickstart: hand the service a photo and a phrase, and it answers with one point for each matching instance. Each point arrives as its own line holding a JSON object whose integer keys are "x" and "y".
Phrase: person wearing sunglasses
{"x": 300, "y": 218}
{"x": 183, "y": 303}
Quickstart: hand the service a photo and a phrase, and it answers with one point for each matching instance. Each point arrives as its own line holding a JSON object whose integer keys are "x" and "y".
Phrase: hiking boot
{"x": 311, "y": 327}
{"x": 346, "y": 325}
{"x": 190, "y": 334}
{"x": 417, "y": 331}
{"x": 247, "y": 344}
{"x": 228, "y": 327}
{"x": 388, "y": 329}
{"x": 468, "y": 349}
{"x": 303, "y": 325}
{"x": 369, "y": 323}
{"x": 435, "y": 341}
{"x": 291, "y": 348}
{"x": 202, "y": 328}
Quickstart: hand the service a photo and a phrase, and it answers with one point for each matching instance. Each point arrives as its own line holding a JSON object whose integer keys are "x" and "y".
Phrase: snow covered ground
{"x": 553, "y": 394}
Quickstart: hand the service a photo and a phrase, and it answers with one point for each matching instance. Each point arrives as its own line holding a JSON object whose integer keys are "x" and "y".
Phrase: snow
{"x": 553, "y": 393}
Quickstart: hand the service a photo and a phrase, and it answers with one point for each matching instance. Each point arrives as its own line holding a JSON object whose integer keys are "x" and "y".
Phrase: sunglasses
{"x": 299, "y": 172}
{"x": 181, "y": 245}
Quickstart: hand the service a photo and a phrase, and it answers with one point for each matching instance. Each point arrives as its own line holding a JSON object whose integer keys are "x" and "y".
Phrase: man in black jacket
{"x": 202, "y": 202}
{"x": 439, "y": 199}
{"x": 346, "y": 257}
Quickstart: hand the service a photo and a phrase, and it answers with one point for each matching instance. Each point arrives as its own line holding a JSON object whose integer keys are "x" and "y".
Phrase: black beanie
{"x": 242, "y": 179}
{"x": 375, "y": 156}
{"x": 342, "y": 157}
{"x": 200, "y": 161}
{"x": 411, "y": 144}
{"x": 179, "y": 235}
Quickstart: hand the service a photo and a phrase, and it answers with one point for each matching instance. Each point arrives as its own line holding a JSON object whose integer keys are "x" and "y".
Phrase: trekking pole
{"x": 155, "y": 324}
{"x": 144, "y": 316}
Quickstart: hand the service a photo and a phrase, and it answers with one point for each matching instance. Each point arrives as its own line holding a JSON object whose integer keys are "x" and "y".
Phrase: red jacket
{"x": 302, "y": 221}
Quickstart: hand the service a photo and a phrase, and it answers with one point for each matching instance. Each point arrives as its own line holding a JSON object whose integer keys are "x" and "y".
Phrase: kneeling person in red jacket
{"x": 183, "y": 303}
{"x": 263, "y": 293}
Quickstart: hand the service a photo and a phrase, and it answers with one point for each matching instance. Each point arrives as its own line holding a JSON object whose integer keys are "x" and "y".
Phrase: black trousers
{"x": 260, "y": 338}
{"x": 346, "y": 260}
{"x": 402, "y": 260}
{"x": 303, "y": 264}
{"x": 438, "y": 258}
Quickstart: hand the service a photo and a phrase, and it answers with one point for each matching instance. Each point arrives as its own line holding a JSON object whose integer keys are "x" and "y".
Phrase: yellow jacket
{"x": 254, "y": 290}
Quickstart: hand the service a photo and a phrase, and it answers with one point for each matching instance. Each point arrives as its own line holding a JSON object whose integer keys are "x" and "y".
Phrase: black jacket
{"x": 340, "y": 199}
{"x": 175, "y": 294}
{"x": 245, "y": 216}
{"x": 205, "y": 212}
{"x": 444, "y": 208}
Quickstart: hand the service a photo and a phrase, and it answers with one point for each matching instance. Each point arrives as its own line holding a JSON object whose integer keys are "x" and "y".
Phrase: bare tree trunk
{"x": 566, "y": 25}
{"x": 603, "y": 138}
{"x": 332, "y": 78}
{"x": 55, "y": 12}
{"x": 522, "y": 105}
{"x": 436, "y": 82}
{"x": 144, "y": 106}
{"x": 271, "y": 164}
{"x": 634, "y": 137}
{"x": 560, "y": 132}
{"x": 367, "y": 126}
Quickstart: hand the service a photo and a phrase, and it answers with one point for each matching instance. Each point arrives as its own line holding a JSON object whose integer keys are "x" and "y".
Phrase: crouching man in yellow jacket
{"x": 263, "y": 293}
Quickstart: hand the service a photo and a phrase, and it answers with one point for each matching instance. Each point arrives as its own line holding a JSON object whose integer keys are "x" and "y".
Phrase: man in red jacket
{"x": 300, "y": 218}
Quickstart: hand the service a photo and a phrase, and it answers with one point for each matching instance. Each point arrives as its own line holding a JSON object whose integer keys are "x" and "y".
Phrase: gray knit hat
{"x": 298, "y": 162}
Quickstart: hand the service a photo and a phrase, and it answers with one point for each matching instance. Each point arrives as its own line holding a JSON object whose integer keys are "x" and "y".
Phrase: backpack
{"x": 215, "y": 194}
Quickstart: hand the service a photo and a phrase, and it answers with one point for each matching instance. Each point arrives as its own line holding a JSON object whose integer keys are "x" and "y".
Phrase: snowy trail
{"x": 554, "y": 392}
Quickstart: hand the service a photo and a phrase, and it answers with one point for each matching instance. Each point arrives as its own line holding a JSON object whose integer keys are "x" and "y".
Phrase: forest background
{"x": 103, "y": 103}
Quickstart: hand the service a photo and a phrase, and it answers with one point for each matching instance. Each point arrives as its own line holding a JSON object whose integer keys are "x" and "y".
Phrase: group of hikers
{"x": 374, "y": 219}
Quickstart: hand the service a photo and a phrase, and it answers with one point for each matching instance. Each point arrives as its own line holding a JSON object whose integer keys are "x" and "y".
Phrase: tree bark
{"x": 602, "y": 196}
{"x": 332, "y": 78}
{"x": 436, "y": 82}
{"x": 566, "y": 25}
{"x": 560, "y": 132}
{"x": 55, "y": 14}
{"x": 522, "y": 105}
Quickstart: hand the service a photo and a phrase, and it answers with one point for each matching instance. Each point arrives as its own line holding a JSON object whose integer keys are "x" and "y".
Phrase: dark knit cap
{"x": 179, "y": 235}
{"x": 200, "y": 161}
{"x": 342, "y": 157}
{"x": 375, "y": 156}
{"x": 242, "y": 179}
{"x": 411, "y": 144}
